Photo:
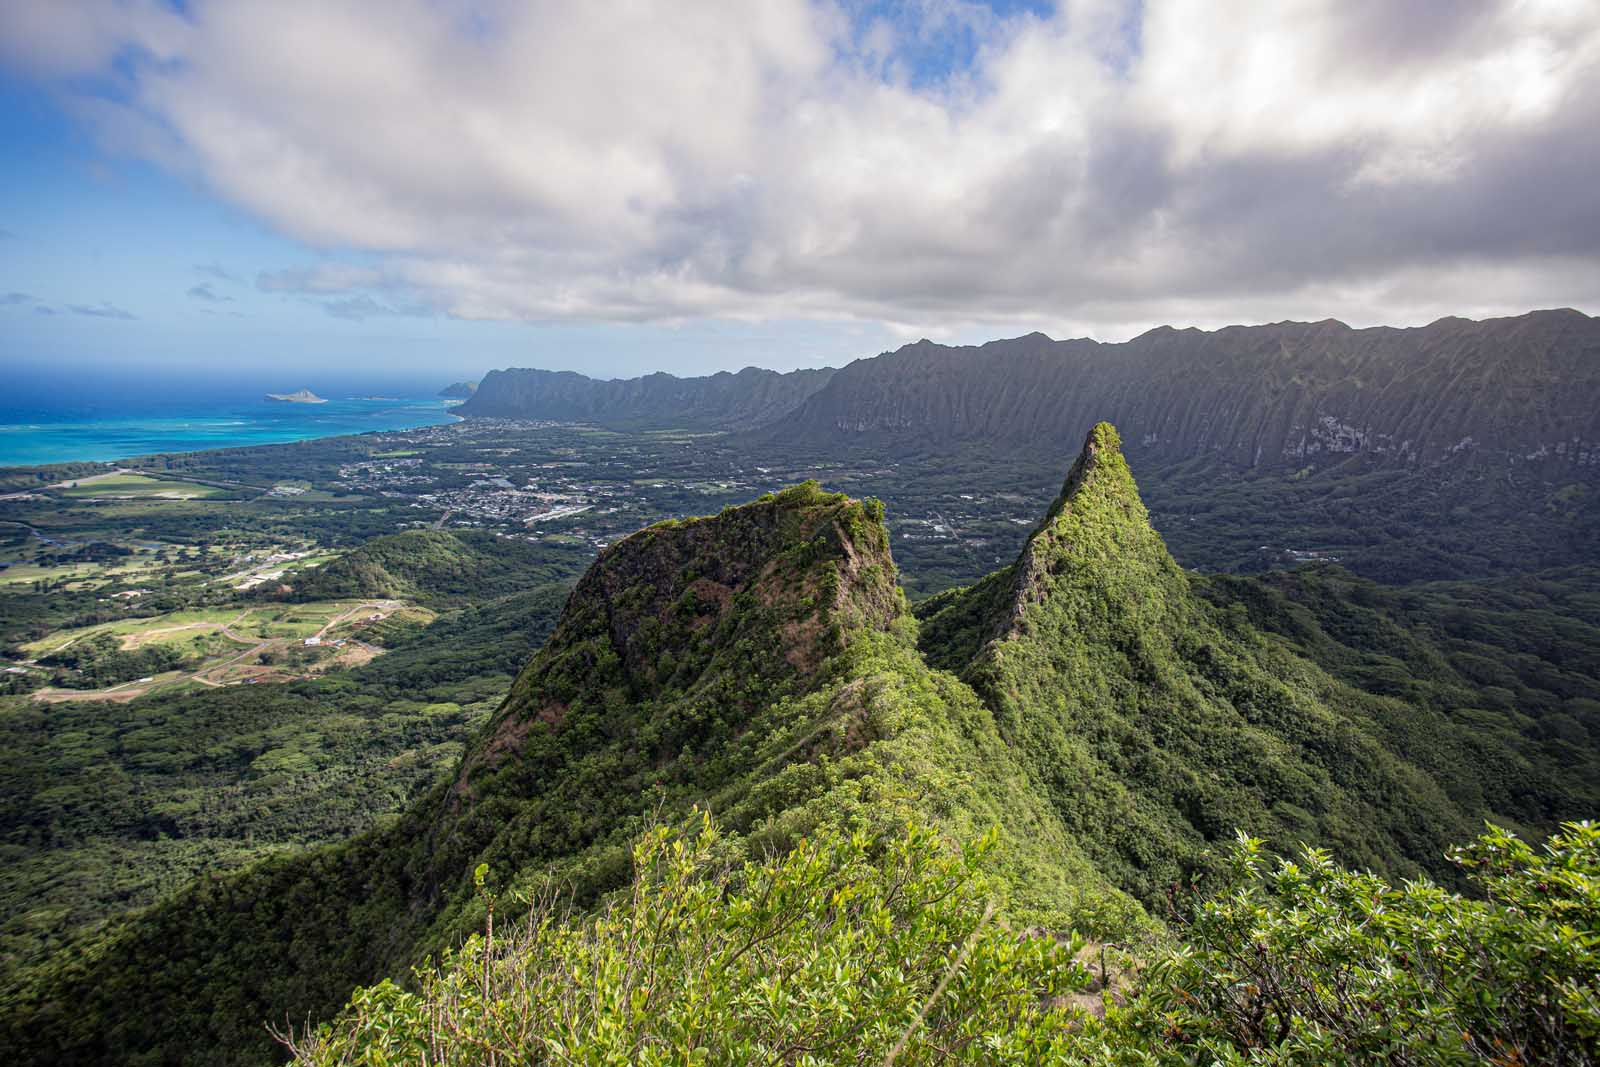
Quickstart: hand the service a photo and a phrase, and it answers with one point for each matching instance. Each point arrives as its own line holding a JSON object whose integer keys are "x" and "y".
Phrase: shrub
{"x": 842, "y": 950}
{"x": 1302, "y": 962}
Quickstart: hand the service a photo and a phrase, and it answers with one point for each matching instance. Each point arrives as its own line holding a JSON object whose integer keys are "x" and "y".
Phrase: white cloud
{"x": 1106, "y": 168}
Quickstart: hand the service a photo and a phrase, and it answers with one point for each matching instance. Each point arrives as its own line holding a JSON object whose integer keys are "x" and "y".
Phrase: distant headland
{"x": 299, "y": 396}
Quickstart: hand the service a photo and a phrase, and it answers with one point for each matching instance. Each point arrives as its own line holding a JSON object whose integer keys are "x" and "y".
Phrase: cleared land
{"x": 125, "y": 486}
{"x": 232, "y": 645}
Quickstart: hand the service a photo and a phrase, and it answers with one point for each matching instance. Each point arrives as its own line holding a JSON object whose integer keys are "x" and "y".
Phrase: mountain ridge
{"x": 1520, "y": 389}
{"x": 722, "y": 401}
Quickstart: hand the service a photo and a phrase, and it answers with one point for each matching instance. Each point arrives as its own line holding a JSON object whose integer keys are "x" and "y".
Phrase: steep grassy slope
{"x": 1155, "y": 732}
{"x": 1493, "y": 688}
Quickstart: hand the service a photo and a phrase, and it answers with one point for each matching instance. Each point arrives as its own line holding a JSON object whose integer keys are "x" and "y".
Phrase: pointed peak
{"x": 1097, "y": 533}
{"x": 1100, "y": 459}
{"x": 1095, "y": 561}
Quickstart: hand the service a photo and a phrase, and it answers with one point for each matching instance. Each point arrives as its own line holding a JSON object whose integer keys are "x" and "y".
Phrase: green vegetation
{"x": 1154, "y": 731}
{"x": 844, "y": 950}
{"x": 853, "y": 950}
{"x": 1493, "y": 688}
{"x": 114, "y": 806}
{"x": 435, "y": 568}
{"x": 1100, "y": 719}
{"x": 100, "y": 661}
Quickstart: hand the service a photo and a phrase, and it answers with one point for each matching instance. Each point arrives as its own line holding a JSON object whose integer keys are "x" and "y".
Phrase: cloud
{"x": 43, "y": 309}
{"x": 9, "y": 299}
{"x": 357, "y": 308}
{"x": 206, "y": 293}
{"x": 216, "y": 272}
{"x": 1096, "y": 168}
{"x": 7, "y": 235}
{"x": 102, "y": 310}
{"x": 328, "y": 278}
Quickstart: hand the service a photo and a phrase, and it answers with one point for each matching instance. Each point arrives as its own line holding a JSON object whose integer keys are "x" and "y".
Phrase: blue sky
{"x": 92, "y": 229}
{"x": 429, "y": 189}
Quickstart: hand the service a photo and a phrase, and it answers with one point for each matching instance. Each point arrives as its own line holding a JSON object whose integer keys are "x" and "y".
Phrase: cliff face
{"x": 748, "y": 399}
{"x": 1522, "y": 390}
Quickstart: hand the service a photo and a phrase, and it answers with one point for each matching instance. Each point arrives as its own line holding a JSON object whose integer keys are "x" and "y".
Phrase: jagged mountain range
{"x": 725, "y": 401}
{"x": 1087, "y": 701}
{"x": 1520, "y": 390}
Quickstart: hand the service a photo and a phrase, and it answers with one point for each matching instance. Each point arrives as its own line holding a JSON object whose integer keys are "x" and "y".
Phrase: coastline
{"x": 38, "y": 437}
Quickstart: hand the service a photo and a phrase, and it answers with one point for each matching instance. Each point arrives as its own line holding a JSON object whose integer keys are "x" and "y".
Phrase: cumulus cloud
{"x": 102, "y": 310}
{"x": 1101, "y": 166}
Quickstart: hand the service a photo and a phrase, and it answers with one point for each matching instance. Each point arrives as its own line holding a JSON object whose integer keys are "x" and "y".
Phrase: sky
{"x": 430, "y": 189}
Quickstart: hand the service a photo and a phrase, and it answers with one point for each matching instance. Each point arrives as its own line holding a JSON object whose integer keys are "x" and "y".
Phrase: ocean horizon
{"x": 36, "y": 432}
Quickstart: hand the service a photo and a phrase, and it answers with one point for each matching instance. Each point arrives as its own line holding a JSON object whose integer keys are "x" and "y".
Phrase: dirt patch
{"x": 62, "y": 696}
{"x": 801, "y": 641}
{"x": 354, "y": 656}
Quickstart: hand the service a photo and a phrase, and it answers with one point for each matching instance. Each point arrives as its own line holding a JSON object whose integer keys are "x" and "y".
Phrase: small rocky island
{"x": 299, "y": 396}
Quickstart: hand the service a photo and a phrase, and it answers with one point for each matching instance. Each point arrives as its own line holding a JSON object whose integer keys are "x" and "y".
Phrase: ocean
{"x": 36, "y": 431}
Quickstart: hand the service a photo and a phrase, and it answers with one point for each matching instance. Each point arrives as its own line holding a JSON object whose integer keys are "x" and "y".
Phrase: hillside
{"x": 1112, "y": 726}
{"x": 435, "y": 567}
{"x": 459, "y": 390}
{"x": 722, "y": 401}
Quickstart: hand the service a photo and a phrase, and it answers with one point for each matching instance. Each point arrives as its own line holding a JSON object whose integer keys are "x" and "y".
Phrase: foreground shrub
{"x": 849, "y": 950}
{"x": 842, "y": 951}
{"x": 1301, "y": 962}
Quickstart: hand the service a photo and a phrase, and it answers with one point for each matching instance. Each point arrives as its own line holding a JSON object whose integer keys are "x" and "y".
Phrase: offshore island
{"x": 299, "y": 396}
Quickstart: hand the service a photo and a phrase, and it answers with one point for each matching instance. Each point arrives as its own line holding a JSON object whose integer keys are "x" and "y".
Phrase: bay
{"x": 32, "y": 434}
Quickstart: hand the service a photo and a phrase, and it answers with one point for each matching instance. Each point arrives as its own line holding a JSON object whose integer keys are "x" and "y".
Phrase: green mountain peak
{"x": 1096, "y": 537}
{"x": 764, "y": 594}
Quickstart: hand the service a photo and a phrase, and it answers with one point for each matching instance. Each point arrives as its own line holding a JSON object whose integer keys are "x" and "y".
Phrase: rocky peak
{"x": 724, "y": 613}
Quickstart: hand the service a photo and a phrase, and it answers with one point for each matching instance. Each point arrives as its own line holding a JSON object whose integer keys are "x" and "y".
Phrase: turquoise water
{"x": 37, "y": 434}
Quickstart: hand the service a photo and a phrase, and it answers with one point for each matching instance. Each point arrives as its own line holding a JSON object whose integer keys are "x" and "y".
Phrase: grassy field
{"x": 123, "y": 486}
{"x": 126, "y": 568}
{"x": 262, "y": 623}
